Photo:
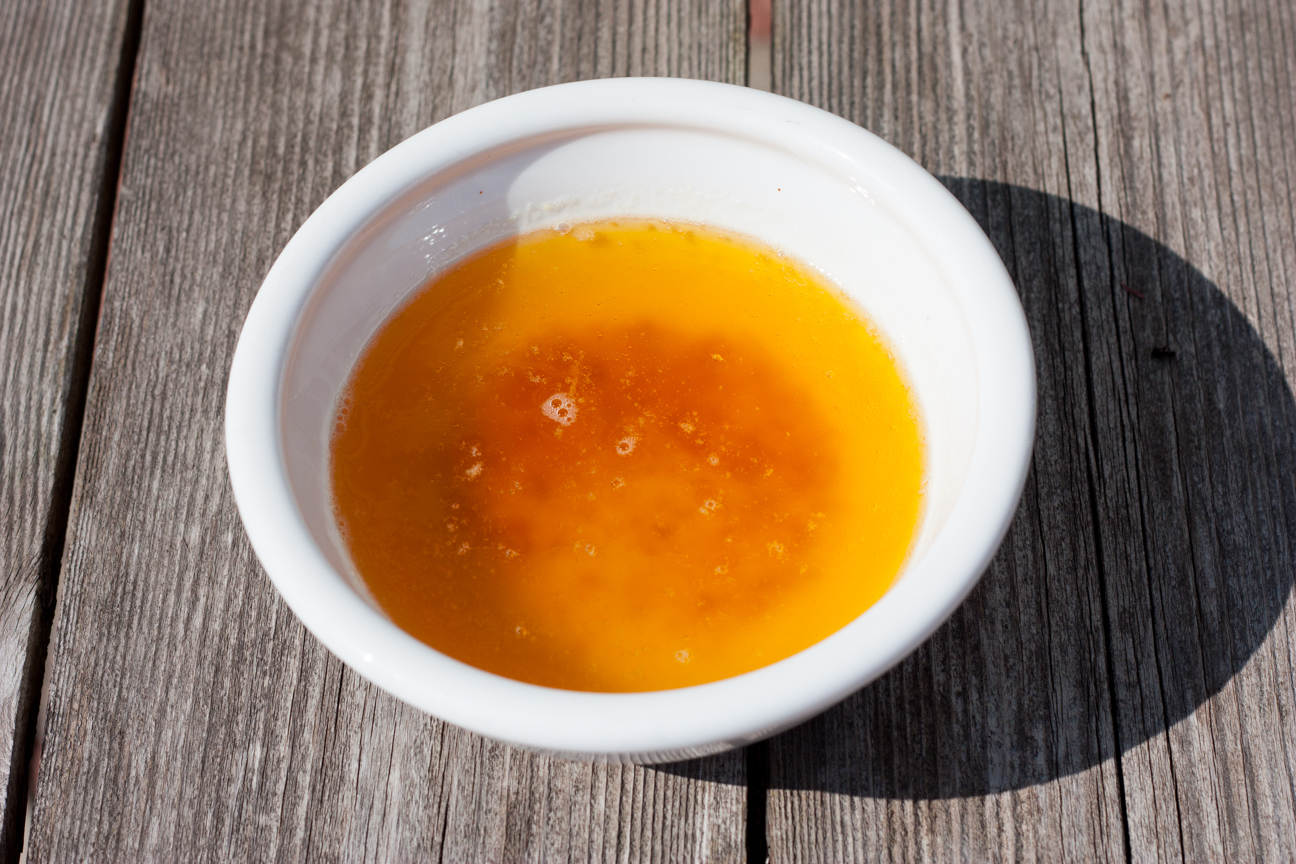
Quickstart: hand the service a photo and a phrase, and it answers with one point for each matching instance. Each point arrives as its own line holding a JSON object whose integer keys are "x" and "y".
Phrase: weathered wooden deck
{"x": 1122, "y": 685}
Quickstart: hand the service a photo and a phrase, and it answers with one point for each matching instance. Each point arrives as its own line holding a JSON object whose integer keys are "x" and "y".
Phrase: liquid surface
{"x": 626, "y": 456}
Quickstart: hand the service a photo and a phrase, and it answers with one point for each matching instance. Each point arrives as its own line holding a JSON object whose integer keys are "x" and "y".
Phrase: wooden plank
{"x": 1135, "y": 167}
{"x": 190, "y": 715}
{"x": 1194, "y": 115}
{"x": 60, "y": 109}
{"x": 995, "y": 741}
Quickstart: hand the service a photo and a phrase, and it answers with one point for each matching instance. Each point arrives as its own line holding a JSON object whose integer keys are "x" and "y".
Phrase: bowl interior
{"x": 792, "y": 199}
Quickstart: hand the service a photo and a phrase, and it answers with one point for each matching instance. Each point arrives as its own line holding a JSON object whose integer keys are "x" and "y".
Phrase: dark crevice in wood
{"x": 436, "y": 770}
{"x": 758, "y": 781}
{"x": 1146, "y": 535}
{"x": 1113, "y": 281}
{"x": 747, "y": 47}
{"x": 1103, "y": 577}
{"x": 56, "y": 522}
{"x": 1104, "y": 593}
{"x": 1091, "y": 467}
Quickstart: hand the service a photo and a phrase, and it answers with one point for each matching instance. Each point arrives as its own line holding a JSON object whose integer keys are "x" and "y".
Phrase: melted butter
{"x": 626, "y": 456}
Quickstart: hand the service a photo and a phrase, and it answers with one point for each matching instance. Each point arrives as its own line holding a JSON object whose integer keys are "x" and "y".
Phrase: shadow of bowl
{"x": 1152, "y": 552}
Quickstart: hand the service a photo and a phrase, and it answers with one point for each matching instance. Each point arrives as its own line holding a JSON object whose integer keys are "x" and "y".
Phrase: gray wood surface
{"x": 59, "y": 113}
{"x": 1121, "y": 684}
{"x": 190, "y": 716}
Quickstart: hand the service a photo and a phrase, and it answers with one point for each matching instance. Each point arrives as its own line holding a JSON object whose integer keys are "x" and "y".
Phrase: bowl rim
{"x": 667, "y": 724}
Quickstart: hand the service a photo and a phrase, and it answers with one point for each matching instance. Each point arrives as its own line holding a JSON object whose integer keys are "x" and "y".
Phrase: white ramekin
{"x": 804, "y": 181}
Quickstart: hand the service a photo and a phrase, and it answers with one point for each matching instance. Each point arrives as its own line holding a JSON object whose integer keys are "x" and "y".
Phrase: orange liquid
{"x": 631, "y": 456}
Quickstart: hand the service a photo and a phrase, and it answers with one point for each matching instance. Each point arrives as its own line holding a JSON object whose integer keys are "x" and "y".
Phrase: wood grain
{"x": 1194, "y": 110}
{"x": 59, "y": 111}
{"x": 1121, "y": 684}
{"x": 190, "y": 715}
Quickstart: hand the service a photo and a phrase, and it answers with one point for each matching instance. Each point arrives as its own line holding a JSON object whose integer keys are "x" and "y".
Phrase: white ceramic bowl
{"x": 804, "y": 181}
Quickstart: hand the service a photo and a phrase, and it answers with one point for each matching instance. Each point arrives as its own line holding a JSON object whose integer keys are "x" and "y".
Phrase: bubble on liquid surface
{"x": 626, "y": 445}
{"x": 560, "y": 408}
{"x": 343, "y": 415}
